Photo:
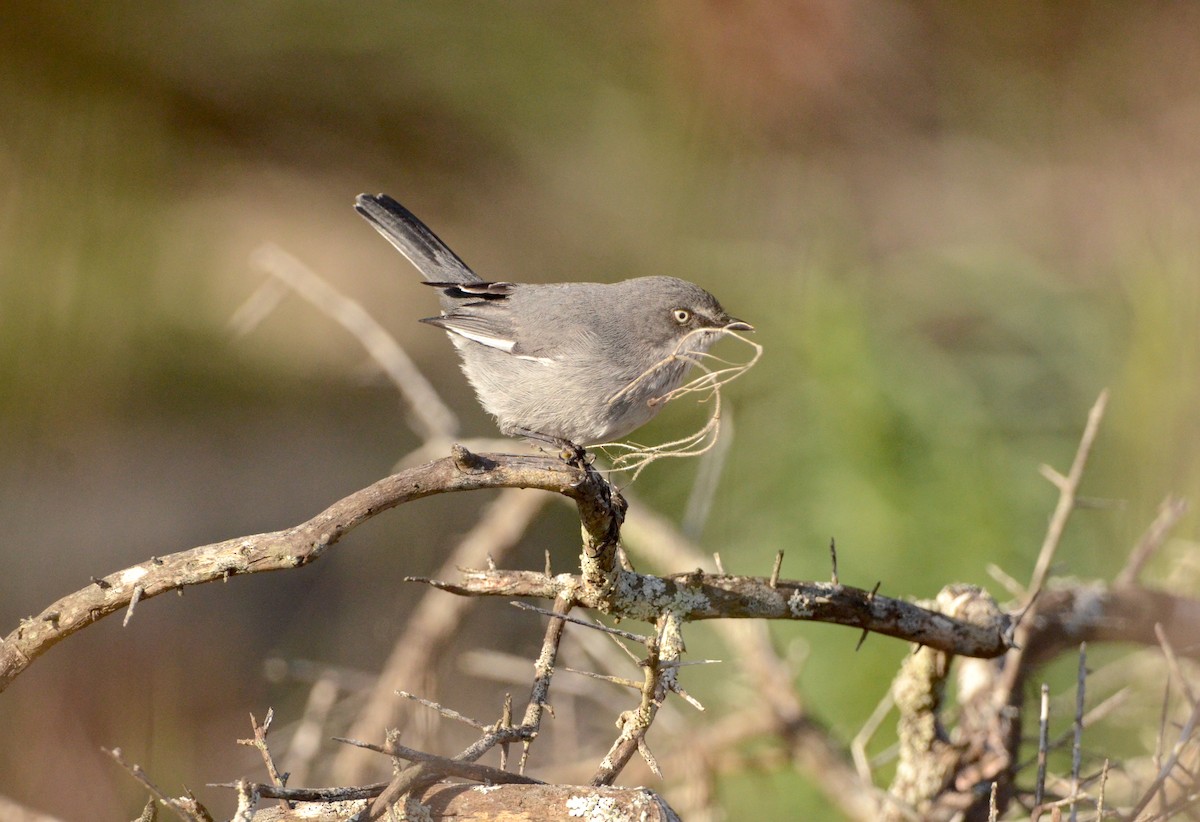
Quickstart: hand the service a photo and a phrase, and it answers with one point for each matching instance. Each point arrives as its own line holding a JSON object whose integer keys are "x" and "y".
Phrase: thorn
{"x": 470, "y": 463}
{"x": 833, "y": 557}
{"x": 644, "y": 750}
{"x": 506, "y": 717}
{"x": 138, "y": 590}
{"x": 717, "y": 560}
{"x": 688, "y": 698}
{"x": 549, "y": 573}
{"x": 524, "y": 757}
{"x": 774, "y": 583}
{"x": 1025, "y": 611}
{"x": 861, "y": 640}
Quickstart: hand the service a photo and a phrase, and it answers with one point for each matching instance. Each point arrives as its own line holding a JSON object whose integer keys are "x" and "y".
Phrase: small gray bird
{"x": 568, "y": 363}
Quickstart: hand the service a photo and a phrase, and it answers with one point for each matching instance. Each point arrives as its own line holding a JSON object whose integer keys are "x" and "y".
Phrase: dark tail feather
{"x": 413, "y": 239}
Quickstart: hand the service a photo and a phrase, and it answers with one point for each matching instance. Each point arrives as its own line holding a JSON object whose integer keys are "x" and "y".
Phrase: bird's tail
{"x": 413, "y": 239}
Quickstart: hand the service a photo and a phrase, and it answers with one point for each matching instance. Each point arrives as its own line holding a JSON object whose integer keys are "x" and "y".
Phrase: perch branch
{"x": 600, "y": 510}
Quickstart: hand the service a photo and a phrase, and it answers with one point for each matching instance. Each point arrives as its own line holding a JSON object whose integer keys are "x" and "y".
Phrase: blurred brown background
{"x": 952, "y": 224}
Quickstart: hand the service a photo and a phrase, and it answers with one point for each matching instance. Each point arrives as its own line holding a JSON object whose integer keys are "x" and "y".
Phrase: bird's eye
{"x": 682, "y": 315}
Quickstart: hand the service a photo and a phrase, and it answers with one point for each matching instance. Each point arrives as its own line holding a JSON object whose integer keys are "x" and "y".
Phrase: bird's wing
{"x": 413, "y": 239}
{"x": 491, "y": 328}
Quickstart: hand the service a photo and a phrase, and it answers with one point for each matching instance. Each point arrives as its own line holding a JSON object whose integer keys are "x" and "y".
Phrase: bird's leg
{"x": 568, "y": 452}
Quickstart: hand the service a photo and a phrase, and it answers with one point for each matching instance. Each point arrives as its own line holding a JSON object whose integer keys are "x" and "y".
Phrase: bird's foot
{"x": 568, "y": 452}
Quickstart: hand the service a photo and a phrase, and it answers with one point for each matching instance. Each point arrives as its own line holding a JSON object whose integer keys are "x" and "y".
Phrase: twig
{"x": 1173, "y": 664}
{"x": 306, "y": 739}
{"x": 190, "y": 812}
{"x": 543, "y": 668}
{"x": 858, "y": 745}
{"x": 453, "y": 767}
{"x": 776, "y": 568}
{"x": 260, "y": 742}
{"x": 624, "y": 682}
{"x": 525, "y": 606}
{"x": 1161, "y": 740}
{"x": 704, "y": 488}
{"x": 1170, "y": 512}
{"x": 1077, "y": 745}
{"x": 1014, "y": 588}
{"x": 325, "y": 795}
{"x": 434, "y": 419}
{"x": 648, "y": 756}
{"x": 1185, "y": 737}
{"x": 1043, "y": 745}
{"x": 1068, "y": 487}
{"x": 448, "y": 713}
{"x": 667, "y": 646}
{"x": 720, "y": 566}
{"x": 435, "y": 619}
{"x": 1090, "y": 719}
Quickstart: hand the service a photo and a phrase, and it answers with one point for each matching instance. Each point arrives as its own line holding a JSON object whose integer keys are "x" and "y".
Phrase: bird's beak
{"x": 737, "y": 325}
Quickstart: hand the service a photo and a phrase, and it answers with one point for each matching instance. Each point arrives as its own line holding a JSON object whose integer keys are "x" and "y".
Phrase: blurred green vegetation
{"x": 952, "y": 224}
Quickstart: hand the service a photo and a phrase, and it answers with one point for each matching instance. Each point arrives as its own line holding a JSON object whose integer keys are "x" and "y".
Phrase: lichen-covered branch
{"x": 708, "y": 596}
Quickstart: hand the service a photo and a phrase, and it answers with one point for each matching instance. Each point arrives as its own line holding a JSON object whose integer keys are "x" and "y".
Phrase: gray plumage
{"x": 557, "y": 361}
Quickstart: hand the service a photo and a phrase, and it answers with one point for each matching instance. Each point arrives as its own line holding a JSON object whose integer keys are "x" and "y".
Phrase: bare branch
{"x": 1170, "y": 512}
{"x": 697, "y": 596}
{"x": 448, "y": 713}
{"x": 435, "y": 619}
{"x": 260, "y": 743}
{"x": 301, "y": 544}
{"x": 187, "y": 809}
{"x": 1173, "y": 663}
{"x": 453, "y": 767}
{"x": 1185, "y": 738}
{"x": 1043, "y": 745}
{"x": 1077, "y": 742}
{"x": 659, "y": 681}
{"x": 434, "y": 420}
{"x": 586, "y": 623}
{"x": 1069, "y": 488}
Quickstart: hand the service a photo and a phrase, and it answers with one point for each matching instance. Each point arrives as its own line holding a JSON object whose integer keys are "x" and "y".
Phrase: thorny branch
{"x": 600, "y": 508}
{"x": 938, "y": 775}
{"x": 700, "y": 596}
{"x": 969, "y": 771}
{"x": 419, "y": 776}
